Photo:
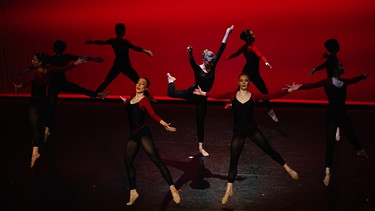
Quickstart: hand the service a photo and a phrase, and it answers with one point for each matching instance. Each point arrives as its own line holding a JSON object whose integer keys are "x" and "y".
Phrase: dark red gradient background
{"x": 289, "y": 33}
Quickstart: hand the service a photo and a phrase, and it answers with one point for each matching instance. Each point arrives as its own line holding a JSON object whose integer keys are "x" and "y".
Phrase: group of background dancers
{"x": 49, "y": 79}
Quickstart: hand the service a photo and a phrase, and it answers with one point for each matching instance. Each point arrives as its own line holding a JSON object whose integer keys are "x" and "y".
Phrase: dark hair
{"x": 59, "y": 46}
{"x": 246, "y": 34}
{"x": 120, "y": 28}
{"x": 42, "y": 57}
{"x": 330, "y": 44}
{"x": 146, "y": 93}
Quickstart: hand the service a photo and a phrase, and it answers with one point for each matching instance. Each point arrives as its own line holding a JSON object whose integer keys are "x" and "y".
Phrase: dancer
{"x": 336, "y": 114}
{"x": 245, "y": 127}
{"x": 38, "y": 99}
{"x": 251, "y": 68}
{"x": 121, "y": 64}
{"x": 141, "y": 137}
{"x": 204, "y": 75}
{"x": 331, "y": 63}
{"x": 59, "y": 83}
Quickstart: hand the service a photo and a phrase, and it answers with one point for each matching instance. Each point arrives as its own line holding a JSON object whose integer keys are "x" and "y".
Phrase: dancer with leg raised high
{"x": 204, "y": 75}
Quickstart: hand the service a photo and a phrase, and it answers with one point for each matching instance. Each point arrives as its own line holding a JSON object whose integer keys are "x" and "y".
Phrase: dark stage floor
{"x": 81, "y": 167}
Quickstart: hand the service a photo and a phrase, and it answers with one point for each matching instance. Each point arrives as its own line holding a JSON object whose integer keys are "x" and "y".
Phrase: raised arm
{"x": 227, "y": 33}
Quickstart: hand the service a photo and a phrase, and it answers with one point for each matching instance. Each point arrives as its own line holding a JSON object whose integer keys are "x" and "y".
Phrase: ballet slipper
{"x": 33, "y": 159}
{"x": 133, "y": 196}
{"x": 225, "y": 198}
{"x": 291, "y": 172}
{"x": 326, "y": 179}
{"x": 175, "y": 194}
{"x": 203, "y": 152}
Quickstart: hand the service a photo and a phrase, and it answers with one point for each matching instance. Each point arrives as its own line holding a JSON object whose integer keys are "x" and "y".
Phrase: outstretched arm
{"x": 229, "y": 30}
{"x": 98, "y": 42}
{"x": 356, "y": 79}
{"x": 80, "y": 60}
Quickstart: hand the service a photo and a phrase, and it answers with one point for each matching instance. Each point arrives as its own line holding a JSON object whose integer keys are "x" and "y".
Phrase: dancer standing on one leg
{"x": 121, "y": 64}
{"x": 245, "y": 127}
{"x": 251, "y": 68}
{"x": 330, "y": 64}
{"x": 38, "y": 100}
{"x": 336, "y": 114}
{"x": 59, "y": 83}
{"x": 141, "y": 137}
{"x": 204, "y": 75}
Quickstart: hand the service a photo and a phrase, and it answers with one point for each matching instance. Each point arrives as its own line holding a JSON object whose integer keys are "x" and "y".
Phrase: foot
{"x": 102, "y": 96}
{"x": 204, "y": 153}
{"x": 338, "y": 137}
{"x": 293, "y": 174}
{"x": 133, "y": 196}
{"x": 46, "y": 136}
{"x": 225, "y": 198}
{"x": 326, "y": 179}
{"x": 175, "y": 194}
{"x": 171, "y": 79}
{"x": 362, "y": 153}
{"x": 33, "y": 159}
{"x": 273, "y": 116}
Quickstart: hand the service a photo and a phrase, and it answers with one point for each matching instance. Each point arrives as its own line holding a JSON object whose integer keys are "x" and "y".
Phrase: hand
{"x": 123, "y": 99}
{"x": 230, "y": 29}
{"x": 190, "y": 49}
{"x": 17, "y": 87}
{"x": 169, "y": 128}
{"x": 365, "y": 76}
{"x": 312, "y": 72}
{"x": 81, "y": 60}
{"x": 199, "y": 91}
{"x": 293, "y": 87}
{"x": 148, "y": 52}
{"x": 268, "y": 65}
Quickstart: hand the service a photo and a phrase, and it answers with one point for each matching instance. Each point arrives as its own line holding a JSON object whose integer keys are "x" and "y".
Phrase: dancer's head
{"x": 59, "y": 46}
{"x": 120, "y": 29}
{"x": 332, "y": 45}
{"x": 208, "y": 57}
{"x": 142, "y": 86}
{"x": 243, "y": 81}
{"x": 40, "y": 59}
{"x": 247, "y": 36}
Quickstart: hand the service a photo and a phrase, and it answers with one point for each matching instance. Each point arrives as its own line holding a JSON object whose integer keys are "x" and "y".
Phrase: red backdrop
{"x": 289, "y": 33}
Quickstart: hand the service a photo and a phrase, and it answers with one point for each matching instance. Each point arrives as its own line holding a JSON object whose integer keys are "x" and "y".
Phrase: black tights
{"x": 259, "y": 83}
{"x": 236, "y": 148}
{"x": 113, "y": 73}
{"x": 131, "y": 151}
{"x": 36, "y": 110}
{"x": 200, "y": 106}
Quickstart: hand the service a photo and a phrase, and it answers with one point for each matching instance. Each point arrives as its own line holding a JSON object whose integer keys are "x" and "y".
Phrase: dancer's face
{"x": 35, "y": 62}
{"x": 141, "y": 85}
{"x": 243, "y": 82}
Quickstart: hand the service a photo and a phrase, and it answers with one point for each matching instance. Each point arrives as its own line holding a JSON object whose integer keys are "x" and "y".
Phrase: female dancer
{"x": 141, "y": 137}
{"x": 38, "y": 99}
{"x": 330, "y": 64}
{"x": 59, "y": 82}
{"x": 244, "y": 126}
{"x": 251, "y": 68}
{"x": 336, "y": 114}
{"x": 121, "y": 64}
{"x": 204, "y": 75}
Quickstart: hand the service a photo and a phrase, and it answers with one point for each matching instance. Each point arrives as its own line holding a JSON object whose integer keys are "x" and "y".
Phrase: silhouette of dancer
{"x": 204, "y": 75}
{"x": 141, "y": 136}
{"x": 251, "y": 68}
{"x": 38, "y": 99}
{"x": 59, "y": 83}
{"x": 121, "y": 64}
{"x": 330, "y": 64}
{"x": 336, "y": 114}
{"x": 245, "y": 127}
